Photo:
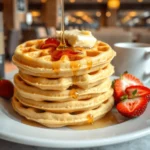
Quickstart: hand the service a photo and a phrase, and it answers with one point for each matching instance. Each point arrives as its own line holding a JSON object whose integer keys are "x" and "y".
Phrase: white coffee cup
{"x": 134, "y": 58}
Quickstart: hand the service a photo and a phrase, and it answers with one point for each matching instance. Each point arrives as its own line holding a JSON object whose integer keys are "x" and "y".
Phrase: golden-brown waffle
{"x": 84, "y": 81}
{"x": 72, "y": 93}
{"x": 50, "y": 119}
{"x": 32, "y": 60}
{"x": 71, "y": 87}
{"x": 69, "y": 106}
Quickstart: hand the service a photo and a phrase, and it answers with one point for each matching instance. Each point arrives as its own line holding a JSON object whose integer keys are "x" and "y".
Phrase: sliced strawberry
{"x": 57, "y": 54}
{"x": 122, "y": 83}
{"x": 67, "y": 43}
{"x": 136, "y": 91}
{"x": 50, "y": 42}
{"x": 132, "y": 107}
{"x": 6, "y": 88}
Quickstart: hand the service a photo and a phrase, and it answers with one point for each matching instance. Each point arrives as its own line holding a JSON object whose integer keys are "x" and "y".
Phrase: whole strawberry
{"x": 6, "y": 88}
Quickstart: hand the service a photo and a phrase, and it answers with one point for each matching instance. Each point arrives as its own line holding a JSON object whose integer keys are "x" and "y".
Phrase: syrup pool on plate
{"x": 107, "y": 120}
{"x": 111, "y": 118}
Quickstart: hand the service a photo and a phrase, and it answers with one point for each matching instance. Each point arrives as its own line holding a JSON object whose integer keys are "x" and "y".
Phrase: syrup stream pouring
{"x": 62, "y": 45}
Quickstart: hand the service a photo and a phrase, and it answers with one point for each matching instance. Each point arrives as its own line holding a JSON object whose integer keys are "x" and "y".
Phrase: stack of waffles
{"x": 63, "y": 87}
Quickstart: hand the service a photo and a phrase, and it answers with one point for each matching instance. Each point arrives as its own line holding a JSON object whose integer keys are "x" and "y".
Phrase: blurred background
{"x": 111, "y": 21}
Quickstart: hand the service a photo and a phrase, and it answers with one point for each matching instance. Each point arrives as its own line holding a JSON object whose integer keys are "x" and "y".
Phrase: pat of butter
{"x": 77, "y": 38}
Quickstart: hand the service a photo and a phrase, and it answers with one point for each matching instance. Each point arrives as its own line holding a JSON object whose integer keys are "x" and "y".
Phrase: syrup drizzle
{"x": 75, "y": 79}
{"x": 56, "y": 67}
{"x": 90, "y": 119}
{"x": 89, "y": 63}
{"x": 62, "y": 44}
{"x": 75, "y": 67}
{"x": 63, "y": 49}
{"x": 74, "y": 94}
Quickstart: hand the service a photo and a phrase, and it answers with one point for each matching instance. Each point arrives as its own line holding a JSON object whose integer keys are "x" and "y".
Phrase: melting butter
{"x": 78, "y": 38}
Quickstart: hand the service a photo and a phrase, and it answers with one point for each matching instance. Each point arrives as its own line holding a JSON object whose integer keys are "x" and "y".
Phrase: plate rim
{"x": 75, "y": 144}
{"x": 51, "y": 143}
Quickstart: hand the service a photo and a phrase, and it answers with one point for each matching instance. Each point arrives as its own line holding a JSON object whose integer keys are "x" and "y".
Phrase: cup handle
{"x": 146, "y": 78}
{"x": 146, "y": 75}
{"x": 147, "y": 54}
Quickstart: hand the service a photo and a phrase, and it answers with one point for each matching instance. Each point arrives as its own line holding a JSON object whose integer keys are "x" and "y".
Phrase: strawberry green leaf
{"x": 125, "y": 72}
{"x": 113, "y": 83}
{"x": 121, "y": 76}
{"x": 134, "y": 92}
{"x": 124, "y": 97}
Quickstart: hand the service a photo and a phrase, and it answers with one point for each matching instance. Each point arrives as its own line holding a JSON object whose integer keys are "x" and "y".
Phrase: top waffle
{"x": 34, "y": 60}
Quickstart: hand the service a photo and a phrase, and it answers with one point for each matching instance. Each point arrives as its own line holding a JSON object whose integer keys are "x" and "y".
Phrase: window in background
{"x": 82, "y": 19}
{"x": 134, "y": 18}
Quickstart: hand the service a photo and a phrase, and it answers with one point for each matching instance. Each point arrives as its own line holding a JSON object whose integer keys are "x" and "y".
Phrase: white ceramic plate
{"x": 12, "y": 129}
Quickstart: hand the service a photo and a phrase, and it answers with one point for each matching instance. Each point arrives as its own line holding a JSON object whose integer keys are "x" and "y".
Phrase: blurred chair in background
{"x": 14, "y": 37}
{"x": 145, "y": 37}
{"x": 136, "y": 31}
{"x": 51, "y": 31}
{"x": 38, "y": 32}
{"x": 28, "y": 34}
{"x": 113, "y": 35}
{"x": 41, "y": 32}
